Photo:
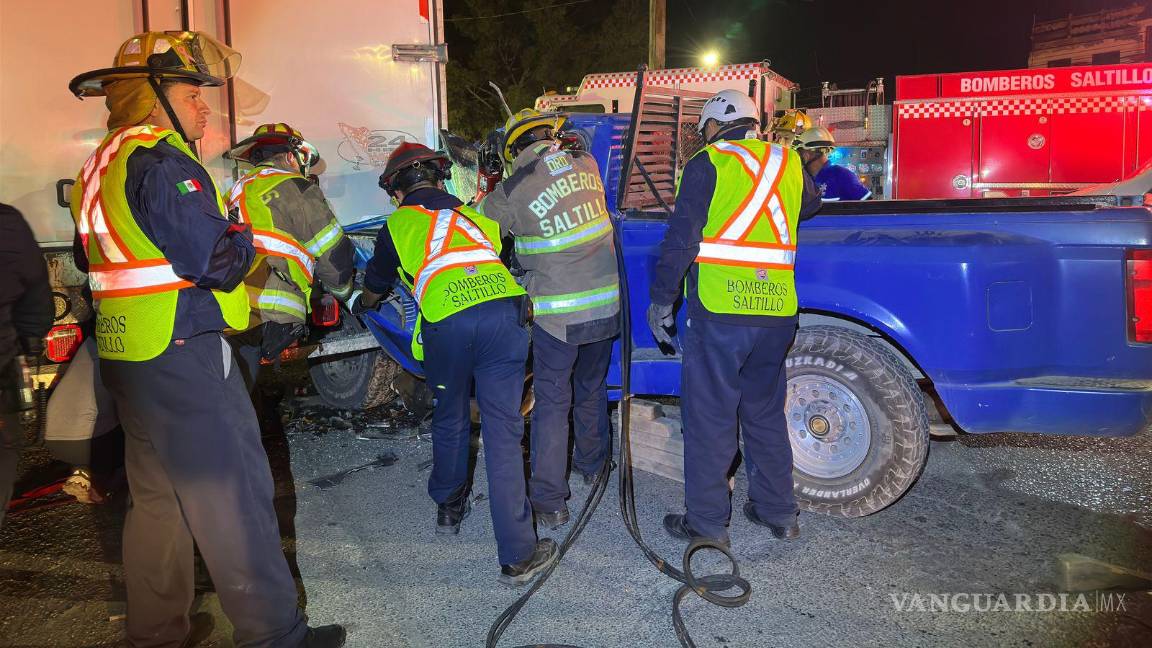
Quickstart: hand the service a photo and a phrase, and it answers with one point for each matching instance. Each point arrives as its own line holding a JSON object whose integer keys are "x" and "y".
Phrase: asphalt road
{"x": 989, "y": 516}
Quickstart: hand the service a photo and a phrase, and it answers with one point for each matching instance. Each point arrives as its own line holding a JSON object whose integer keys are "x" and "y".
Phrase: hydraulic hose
{"x": 709, "y": 587}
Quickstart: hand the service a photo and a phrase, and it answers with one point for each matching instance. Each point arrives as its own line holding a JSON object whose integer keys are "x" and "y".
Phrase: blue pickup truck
{"x": 989, "y": 315}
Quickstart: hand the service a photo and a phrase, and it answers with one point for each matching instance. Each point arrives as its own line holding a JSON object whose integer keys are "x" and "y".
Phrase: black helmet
{"x": 411, "y": 164}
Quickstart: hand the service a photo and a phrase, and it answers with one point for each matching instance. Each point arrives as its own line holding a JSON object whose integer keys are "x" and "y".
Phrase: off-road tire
{"x": 896, "y": 416}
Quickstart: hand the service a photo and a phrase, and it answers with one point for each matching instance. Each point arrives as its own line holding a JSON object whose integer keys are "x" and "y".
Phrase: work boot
{"x": 676, "y": 525}
{"x": 79, "y": 485}
{"x": 553, "y": 520}
{"x": 329, "y": 636}
{"x": 451, "y": 514}
{"x": 200, "y": 628}
{"x": 787, "y": 532}
{"x": 523, "y": 572}
{"x": 592, "y": 478}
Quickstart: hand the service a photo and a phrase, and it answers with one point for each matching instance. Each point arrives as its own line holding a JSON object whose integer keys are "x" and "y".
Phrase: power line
{"x": 516, "y": 13}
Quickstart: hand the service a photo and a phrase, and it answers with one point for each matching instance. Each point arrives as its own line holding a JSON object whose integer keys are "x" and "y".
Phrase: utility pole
{"x": 657, "y": 23}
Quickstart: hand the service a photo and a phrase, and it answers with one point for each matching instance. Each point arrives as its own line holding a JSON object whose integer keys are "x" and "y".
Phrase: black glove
{"x": 660, "y": 320}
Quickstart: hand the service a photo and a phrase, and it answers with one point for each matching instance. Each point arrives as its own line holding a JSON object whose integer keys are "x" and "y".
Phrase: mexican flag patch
{"x": 188, "y": 186}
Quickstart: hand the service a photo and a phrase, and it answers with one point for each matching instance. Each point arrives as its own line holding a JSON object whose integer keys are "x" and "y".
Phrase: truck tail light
{"x": 62, "y": 342}
{"x": 1140, "y": 295}
{"x": 326, "y": 312}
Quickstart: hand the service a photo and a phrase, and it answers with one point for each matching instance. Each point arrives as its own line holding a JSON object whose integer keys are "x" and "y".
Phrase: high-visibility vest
{"x": 248, "y": 201}
{"x": 748, "y": 251}
{"x": 134, "y": 287}
{"x": 453, "y": 258}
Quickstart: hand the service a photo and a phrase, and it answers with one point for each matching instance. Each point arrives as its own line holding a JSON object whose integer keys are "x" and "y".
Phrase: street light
{"x": 710, "y": 58}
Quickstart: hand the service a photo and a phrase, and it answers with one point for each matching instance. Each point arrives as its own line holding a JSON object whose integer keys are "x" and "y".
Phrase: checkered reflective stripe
{"x": 1006, "y": 107}
{"x": 741, "y": 72}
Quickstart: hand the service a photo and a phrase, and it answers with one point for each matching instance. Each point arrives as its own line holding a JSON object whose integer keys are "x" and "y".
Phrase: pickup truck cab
{"x": 996, "y": 315}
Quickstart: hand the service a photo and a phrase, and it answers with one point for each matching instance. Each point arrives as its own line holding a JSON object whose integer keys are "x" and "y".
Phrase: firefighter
{"x": 165, "y": 269}
{"x": 733, "y": 231}
{"x": 553, "y": 203}
{"x": 834, "y": 181}
{"x": 471, "y": 329}
{"x": 297, "y": 238}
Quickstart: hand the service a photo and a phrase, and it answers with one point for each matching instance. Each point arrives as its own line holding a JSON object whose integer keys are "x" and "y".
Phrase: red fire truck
{"x": 1031, "y": 132}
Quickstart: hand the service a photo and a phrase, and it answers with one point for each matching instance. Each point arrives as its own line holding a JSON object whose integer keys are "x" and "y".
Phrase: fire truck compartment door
{"x": 1014, "y": 148}
{"x": 1088, "y": 146}
{"x": 934, "y": 156}
{"x": 1144, "y": 133}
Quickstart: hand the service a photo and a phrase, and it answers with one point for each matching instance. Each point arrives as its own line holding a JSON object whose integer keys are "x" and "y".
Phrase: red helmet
{"x": 412, "y": 163}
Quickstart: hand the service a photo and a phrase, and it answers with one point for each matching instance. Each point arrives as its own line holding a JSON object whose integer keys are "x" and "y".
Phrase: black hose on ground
{"x": 709, "y": 587}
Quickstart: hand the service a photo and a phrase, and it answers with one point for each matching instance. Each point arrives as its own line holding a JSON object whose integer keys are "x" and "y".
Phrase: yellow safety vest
{"x": 133, "y": 285}
{"x": 453, "y": 257}
{"x": 748, "y": 252}
{"x": 248, "y": 200}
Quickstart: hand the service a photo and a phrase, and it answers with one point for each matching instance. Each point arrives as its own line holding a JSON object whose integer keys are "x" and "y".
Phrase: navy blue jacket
{"x": 189, "y": 230}
{"x": 686, "y": 229}
{"x": 384, "y": 265}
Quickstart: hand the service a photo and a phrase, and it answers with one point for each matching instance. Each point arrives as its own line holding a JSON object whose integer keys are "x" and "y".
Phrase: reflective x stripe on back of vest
{"x": 729, "y": 246}
{"x": 439, "y": 257}
{"x": 121, "y": 275}
{"x": 92, "y": 219}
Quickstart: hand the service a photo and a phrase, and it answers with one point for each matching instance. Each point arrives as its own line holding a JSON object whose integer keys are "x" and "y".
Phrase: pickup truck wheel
{"x": 355, "y": 382}
{"x": 856, "y": 420}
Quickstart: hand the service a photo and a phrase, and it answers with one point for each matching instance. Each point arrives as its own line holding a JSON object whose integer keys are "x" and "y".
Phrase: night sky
{"x": 851, "y": 41}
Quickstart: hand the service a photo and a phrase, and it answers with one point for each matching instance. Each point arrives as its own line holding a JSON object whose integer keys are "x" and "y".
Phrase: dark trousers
{"x": 198, "y": 472}
{"x": 734, "y": 383}
{"x": 248, "y": 354}
{"x": 567, "y": 378}
{"x": 11, "y": 441}
{"x": 485, "y": 343}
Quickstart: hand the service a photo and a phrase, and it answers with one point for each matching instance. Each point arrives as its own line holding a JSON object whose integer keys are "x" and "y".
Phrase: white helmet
{"x": 815, "y": 138}
{"x": 727, "y": 106}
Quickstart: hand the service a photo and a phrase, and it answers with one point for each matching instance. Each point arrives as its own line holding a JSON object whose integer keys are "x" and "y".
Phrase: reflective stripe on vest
{"x": 555, "y": 304}
{"x": 438, "y": 260}
{"x": 237, "y": 192}
{"x": 324, "y": 239}
{"x": 133, "y": 278}
{"x": 541, "y": 245}
{"x": 283, "y": 246}
{"x": 283, "y": 301}
{"x": 729, "y": 246}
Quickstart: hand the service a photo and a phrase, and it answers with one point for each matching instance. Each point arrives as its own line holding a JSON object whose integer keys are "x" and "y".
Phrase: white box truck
{"x": 357, "y": 77}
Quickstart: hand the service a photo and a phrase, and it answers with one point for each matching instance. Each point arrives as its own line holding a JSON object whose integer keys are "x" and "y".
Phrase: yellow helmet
{"x": 191, "y": 57}
{"x": 524, "y": 122}
{"x": 789, "y": 125}
{"x": 279, "y": 136}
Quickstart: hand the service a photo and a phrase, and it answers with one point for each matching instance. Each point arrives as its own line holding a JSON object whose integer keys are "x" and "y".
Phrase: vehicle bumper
{"x": 1065, "y": 405}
